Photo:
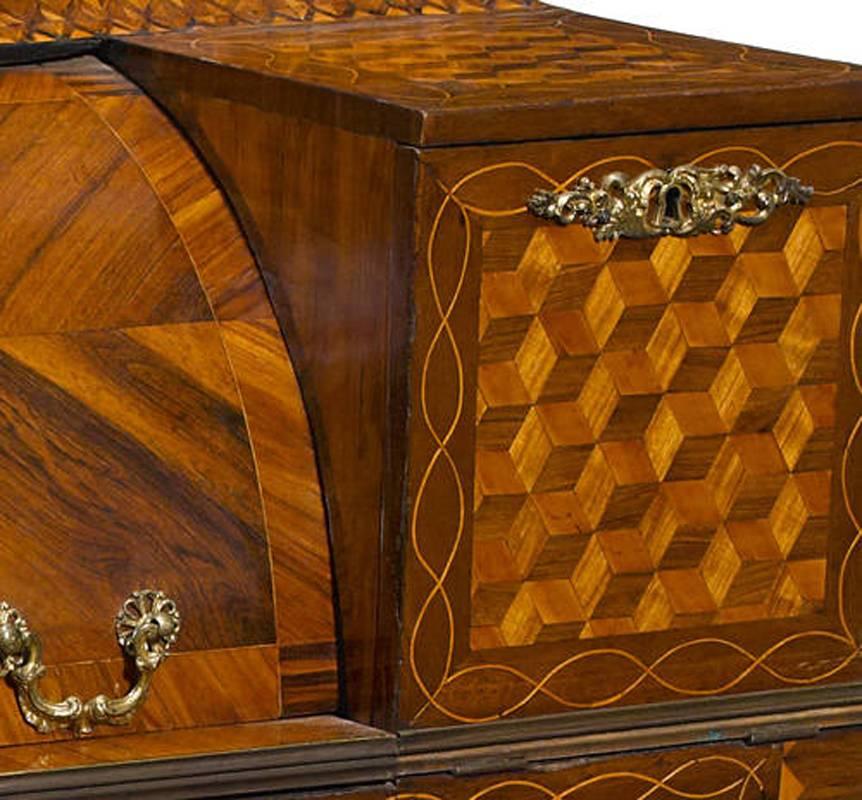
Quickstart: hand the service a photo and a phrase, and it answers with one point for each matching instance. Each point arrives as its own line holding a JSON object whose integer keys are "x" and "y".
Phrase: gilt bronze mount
{"x": 146, "y": 626}
{"x": 683, "y": 201}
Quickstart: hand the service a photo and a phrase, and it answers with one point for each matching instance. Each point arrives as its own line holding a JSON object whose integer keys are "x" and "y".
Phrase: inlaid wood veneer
{"x": 50, "y": 20}
{"x": 602, "y": 486}
{"x": 654, "y": 428}
{"x": 723, "y": 773}
{"x": 643, "y": 460}
{"x": 514, "y": 75}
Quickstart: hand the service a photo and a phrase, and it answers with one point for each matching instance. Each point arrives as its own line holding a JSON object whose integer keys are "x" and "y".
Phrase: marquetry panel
{"x": 46, "y": 20}
{"x": 631, "y": 459}
{"x": 723, "y": 773}
{"x": 654, "y": 428}
{"x": 153, "y": 432}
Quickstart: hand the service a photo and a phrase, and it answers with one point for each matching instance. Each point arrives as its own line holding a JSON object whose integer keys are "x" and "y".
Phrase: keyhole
{"x": 672, "y": 199}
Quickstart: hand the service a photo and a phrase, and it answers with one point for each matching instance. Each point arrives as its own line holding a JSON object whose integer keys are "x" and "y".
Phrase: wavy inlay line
{"x": 534, "y": 687}
{"x": 438, "y": 589}
{"x": 559, "y": 186}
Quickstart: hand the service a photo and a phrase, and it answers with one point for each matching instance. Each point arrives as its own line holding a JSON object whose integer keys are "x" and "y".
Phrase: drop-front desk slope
{"x": 434, "y": 365}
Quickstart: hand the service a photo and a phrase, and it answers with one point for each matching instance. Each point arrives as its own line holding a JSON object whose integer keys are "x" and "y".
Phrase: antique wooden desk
{"x": 456, "y": 400}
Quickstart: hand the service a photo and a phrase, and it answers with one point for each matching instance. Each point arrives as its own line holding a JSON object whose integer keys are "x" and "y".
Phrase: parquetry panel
{"x": 489, "y": 60}
{"x": 654, "y": 428}
{"x": 44, "y": 20}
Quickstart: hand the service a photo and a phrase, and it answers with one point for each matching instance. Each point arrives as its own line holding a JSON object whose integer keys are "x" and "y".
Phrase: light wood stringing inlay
{"x": 449, "y": 684}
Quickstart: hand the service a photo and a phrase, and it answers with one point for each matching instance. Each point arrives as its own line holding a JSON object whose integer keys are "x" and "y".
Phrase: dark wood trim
{"x": 40, "y": 52}
{"x": 376, "y": 763}
{"x": 500, "y": 754}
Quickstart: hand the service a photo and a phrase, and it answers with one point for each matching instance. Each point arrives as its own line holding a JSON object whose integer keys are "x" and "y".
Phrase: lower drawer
{"x": 723, "y": 773}
{"x": 824, "y": 768}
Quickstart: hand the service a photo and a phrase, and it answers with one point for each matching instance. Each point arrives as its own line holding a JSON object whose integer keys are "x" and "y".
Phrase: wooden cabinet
{"x": 481, "y": 388}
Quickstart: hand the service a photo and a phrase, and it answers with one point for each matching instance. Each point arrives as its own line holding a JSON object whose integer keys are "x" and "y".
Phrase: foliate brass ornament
{"x": 146, "y": 627}
{"x": 683, "y": 201}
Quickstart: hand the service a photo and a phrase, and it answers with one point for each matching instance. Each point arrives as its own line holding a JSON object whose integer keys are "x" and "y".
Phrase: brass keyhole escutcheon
{"x": 682, "y": 201}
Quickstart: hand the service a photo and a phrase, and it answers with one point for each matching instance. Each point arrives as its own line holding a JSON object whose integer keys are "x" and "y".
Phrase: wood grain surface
{"x": 603, "y": 449}
{"x": 153, "y": 432}
{"x": 240, "y": 684}
{"x": 536, "y": 74}
{"x": 826, "y": 768}
{"x": 339, "y": 288}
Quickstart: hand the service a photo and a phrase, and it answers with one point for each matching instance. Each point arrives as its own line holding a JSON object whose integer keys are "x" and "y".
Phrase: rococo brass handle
{"x": 683, "y": 201}
{"x": 146, "y": 626}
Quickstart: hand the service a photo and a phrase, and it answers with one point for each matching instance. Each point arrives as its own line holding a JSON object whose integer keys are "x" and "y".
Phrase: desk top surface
{"x": 537, "y": 73}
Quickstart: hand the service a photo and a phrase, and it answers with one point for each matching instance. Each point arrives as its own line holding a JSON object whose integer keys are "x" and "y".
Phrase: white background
{"x": 822, "y": 28}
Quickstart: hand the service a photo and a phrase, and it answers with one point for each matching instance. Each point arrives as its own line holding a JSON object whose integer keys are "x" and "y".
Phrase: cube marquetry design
{"x": 654, "y": 428}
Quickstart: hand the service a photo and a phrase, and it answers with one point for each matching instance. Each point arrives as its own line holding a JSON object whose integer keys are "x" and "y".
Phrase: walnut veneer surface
{"x": 153, "y": 430}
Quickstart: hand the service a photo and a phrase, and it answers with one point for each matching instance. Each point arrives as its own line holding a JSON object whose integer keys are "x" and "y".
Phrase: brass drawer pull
{"x": 146, "y": 627}
{"x": 683, "y": 201}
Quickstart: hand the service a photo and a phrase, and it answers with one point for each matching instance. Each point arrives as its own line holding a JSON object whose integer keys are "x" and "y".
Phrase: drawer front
{"x": 813, "y": 769}
{"x": 632, "y": 462}
{"x": 724, "y": 773}
{"x": 152, "y": 431}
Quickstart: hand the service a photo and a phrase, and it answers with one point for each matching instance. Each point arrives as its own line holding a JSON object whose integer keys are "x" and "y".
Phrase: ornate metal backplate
{"x": 683, "y": 201}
